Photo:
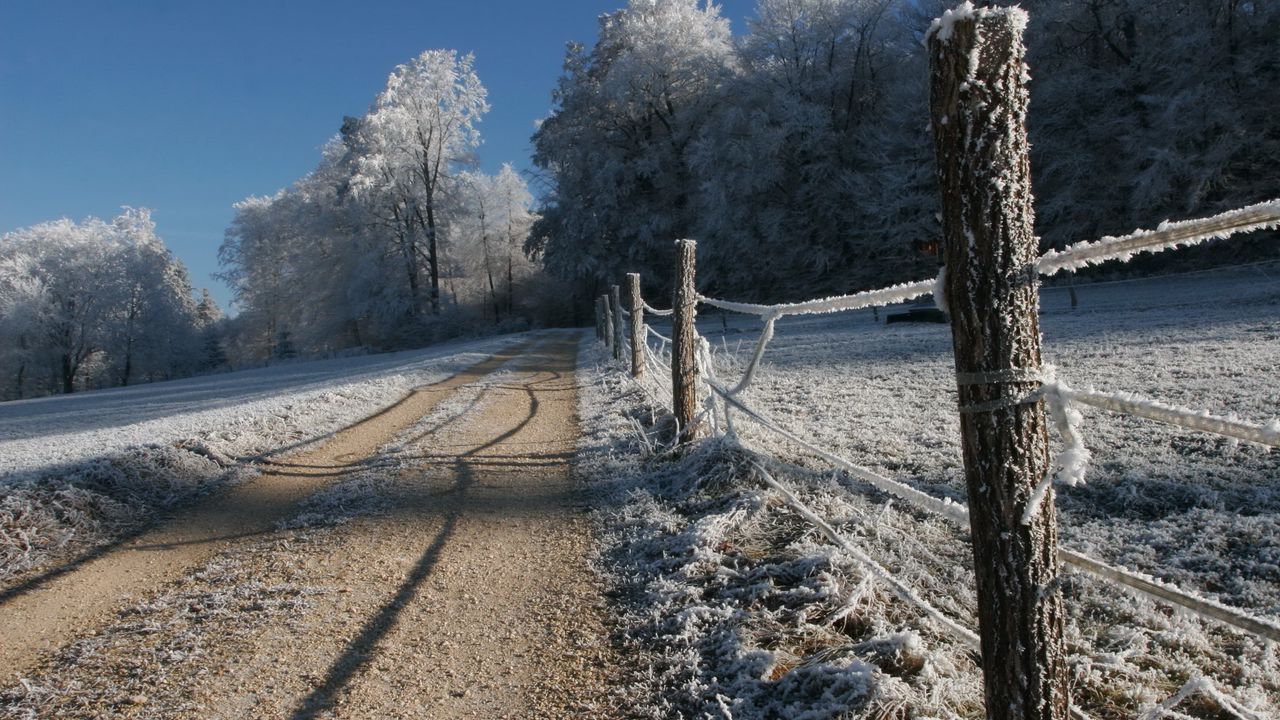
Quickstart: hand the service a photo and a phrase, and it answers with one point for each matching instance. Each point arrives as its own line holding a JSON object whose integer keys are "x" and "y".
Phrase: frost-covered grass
{"x": 77, "y": 471}
{"x": 700, "y": 550}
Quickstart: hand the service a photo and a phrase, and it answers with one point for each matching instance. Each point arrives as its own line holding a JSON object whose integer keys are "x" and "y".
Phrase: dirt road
{"x": 444, "y": 575}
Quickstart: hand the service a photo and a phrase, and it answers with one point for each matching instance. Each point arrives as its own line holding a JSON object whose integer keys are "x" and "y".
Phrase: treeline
{"x": 395, "y": 239}
{"x": 98, "y": 304}
{"x": 799, "y": 155}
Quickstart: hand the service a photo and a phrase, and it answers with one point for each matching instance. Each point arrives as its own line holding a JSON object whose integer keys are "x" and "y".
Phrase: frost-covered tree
{"x": 780, "y": 153}
{"x": 210, "y": 323}
{"x": 1147, "y": 109}
{"x": 155, "y": 325}
{"x": 812, "y": 163}
{"x": 93, "y": 304}
{"x": 420, "y": 133}
{"x": 798, "y": 155}
{"x": 492, "y": 222}
{"x": 394, "y": 240}
{"x": 616, "y": 147}
{"x": 513, "y": 220}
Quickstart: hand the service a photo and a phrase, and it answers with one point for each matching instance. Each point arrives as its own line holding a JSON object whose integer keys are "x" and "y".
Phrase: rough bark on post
{"x": 684, "y": 343}
{"x": 637, "y": 325}
{"x": 599, "y": 321}
{"x": 608, "y": 321}
{"x": 979, "y": 128}
{"x": 619, "y": 332}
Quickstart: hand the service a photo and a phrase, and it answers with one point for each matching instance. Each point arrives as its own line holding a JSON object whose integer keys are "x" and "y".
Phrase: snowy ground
{"x": 733, "y": 593}
{"x": 79, "y": 469}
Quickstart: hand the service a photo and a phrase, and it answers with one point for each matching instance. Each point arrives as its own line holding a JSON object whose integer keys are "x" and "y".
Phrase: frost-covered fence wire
{"x": 959, "y": 513}
{"x": 654, "y": 311}
{"x": 1201, "y": 420}
{"x": 1168, "y": 235}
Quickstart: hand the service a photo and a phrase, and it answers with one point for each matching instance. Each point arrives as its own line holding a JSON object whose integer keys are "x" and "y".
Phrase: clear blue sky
{"x": 187, "y": 107}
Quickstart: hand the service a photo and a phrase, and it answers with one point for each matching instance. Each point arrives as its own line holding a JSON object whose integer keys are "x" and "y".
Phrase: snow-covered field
{"x": 79, "y": 469}
{"x": 740, "y": 593}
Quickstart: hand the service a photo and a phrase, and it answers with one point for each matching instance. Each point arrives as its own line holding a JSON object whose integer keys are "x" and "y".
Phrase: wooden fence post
{"x": 608, "y": 321}
{"x": 619, "y": 334}
{"x": 991, "y": 286}
{"x": 599, "y": 321}
{"x": 637, "y": 325}
{"x": 684, "y": 343}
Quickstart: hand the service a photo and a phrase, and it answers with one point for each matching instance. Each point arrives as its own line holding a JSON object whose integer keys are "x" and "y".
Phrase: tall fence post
{"x": 619, "y": 334}
{"x": 684, "y": 343}
{"x": 599, "y": 320}
{"x": 608, "y": 321}
{"x": 637, "y": 325}
{"x": 991, "y": 287}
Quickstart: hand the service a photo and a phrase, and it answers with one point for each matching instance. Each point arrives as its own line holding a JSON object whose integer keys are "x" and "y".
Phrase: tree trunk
{"x": 511, "y": 284}
{"x": 488, "y": 270}
{"x": 433, "y": 259}
{"x": 992, "y": 294}
{"x": 684, "y": 343}
{"x": 68, "y": 374}
{"x": 409, "y": 252}
{"x": 128, "y": 361}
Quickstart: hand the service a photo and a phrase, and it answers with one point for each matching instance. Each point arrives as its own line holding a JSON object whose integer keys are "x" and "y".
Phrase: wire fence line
{"x": 1059, "y": 395}
{"x": 978, "y": 102}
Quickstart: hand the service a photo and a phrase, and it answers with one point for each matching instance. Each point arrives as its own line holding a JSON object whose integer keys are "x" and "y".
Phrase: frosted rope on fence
{"x": 1262, "y": 216}
{"x": 1150, "y": 586}
{"x": 1167, "y": 235}
{"x": 945, "y": 507}
{"x": 666, "y": 368}
{"x": 705, "y": 364}
{"x": 763, "y": 342}
{"x": 658, "y": 335}
{"x": 839, "y": 303}
{"x": 899, "y": 588}
{"x": 1268, "y": 434}
{"x": 1205, "y": 686}
{"x": 655, "y": 311}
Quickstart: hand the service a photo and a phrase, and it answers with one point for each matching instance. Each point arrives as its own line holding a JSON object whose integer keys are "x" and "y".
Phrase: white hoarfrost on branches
{"x": 420, "y": 132}
{"x": 93, "y": 304}
{"x": 395, "y": 239}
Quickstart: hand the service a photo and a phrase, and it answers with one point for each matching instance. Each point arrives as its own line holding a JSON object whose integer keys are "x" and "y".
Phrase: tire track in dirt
{"x": 51, "y": 609}
{"x": 471, "y": 597}
{"x": 464, "y": 590}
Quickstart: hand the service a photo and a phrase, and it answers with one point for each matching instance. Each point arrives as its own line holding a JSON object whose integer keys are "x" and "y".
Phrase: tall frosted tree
{"x": 810, "y": 160}
{"x": 420, "y": 133}
{"x": 394, "y": 240}
{"x": 1143, "y": 110}
{"x": 616, "y": 146}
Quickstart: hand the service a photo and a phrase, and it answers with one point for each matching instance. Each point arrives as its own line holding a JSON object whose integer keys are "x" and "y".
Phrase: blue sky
{"x": 187, "y": 107}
